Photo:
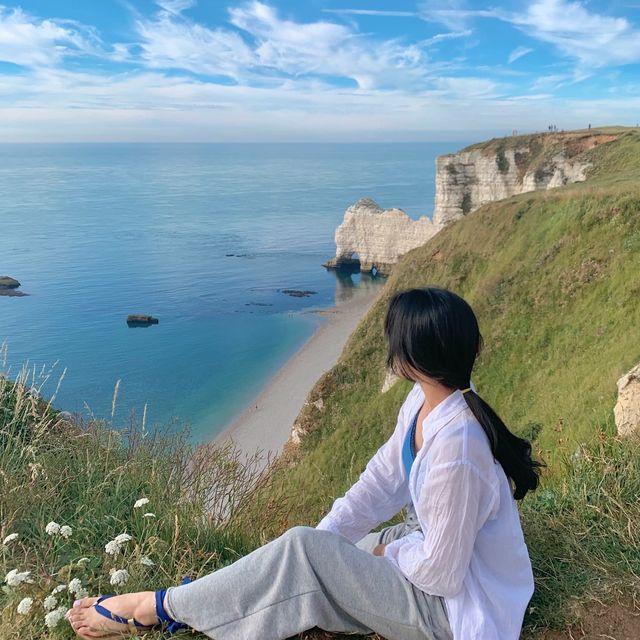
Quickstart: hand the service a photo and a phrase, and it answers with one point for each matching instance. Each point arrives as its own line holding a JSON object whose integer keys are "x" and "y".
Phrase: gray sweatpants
{"x": 306, "y": 578}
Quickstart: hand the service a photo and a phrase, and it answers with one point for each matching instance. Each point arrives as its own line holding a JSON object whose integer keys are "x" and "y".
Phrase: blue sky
{"x": 316, "y": 70}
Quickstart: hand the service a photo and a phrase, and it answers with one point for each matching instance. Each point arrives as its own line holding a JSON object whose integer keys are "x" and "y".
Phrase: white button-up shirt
{"x": 471, "y": 550}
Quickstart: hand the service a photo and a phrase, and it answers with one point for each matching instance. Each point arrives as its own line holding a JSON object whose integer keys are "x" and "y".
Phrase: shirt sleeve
{"x": 380, "y": 492}
{"x": 454, "y": 503}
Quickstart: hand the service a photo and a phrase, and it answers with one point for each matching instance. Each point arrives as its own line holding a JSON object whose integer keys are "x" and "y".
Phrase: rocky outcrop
{"x": 506, "y": 167}
{"x": 8, "y": 283}
{"x": 627, "y": 409}
{"x": 378, "y": 237}
{"x": 390, "y": 379}
{"x": 9, "y": 287}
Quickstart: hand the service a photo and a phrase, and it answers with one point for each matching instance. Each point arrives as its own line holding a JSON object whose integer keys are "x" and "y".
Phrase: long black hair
{"x": 435, "y": 332}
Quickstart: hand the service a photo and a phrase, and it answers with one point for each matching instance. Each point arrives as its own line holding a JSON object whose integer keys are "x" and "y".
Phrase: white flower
{"x": 82, "y": 593}
{"x": 59, "y": 589}
{"x": 149, "y": 515}
{"x": 74, "y": 586}
{"x": 147, "y": 562}
{"x": 15, "y": 577}
{"x": 112, "y": 548}
{"x": 122, "y": 538}
{"x": 50, "y": 603}
{"x": 24, "y": 606}
{"x": 66, "y": 531}
{"x": 10, "y": 538}
{"x": 141, "y": 503}
{"x": 52, "y": 528}
{"x": 53, "y": 617}
{"x": 119, "y": 577}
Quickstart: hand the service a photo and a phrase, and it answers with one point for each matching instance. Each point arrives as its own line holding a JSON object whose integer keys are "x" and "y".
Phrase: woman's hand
{"x": 379, "y": 550}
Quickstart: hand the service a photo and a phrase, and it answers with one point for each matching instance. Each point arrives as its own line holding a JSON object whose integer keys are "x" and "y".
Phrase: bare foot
{"x": 88, "y": 623}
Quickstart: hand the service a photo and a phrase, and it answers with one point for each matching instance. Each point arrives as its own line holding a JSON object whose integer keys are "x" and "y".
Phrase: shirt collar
{"x": 442, "y": 413}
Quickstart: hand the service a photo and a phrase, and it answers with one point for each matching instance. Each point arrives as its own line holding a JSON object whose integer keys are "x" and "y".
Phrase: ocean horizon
{"x": 203, "y": 236}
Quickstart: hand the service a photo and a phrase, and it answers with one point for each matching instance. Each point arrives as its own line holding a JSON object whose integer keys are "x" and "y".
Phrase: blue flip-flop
{"x": 169, "y": 625}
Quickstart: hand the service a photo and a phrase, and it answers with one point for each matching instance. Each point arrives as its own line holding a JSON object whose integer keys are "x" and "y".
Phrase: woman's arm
{"x": 455, "y": 501}
{"x": 380, "y": 492}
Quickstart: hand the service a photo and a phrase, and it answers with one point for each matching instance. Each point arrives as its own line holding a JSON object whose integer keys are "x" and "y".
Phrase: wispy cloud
{"x": 451, "y": 35}
{"x": 168, "y": 40}
{"x": 327, "y": 49}
{"x": 373, "y": 12}
{"x": 518, "y": 53}
{"x": 591, "y": 38}
{"x": 29, "y": 41}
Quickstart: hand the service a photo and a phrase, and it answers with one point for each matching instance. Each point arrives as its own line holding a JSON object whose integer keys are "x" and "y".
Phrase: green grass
{"x": 89, "y": 477}
{"x": 554, "y": 278}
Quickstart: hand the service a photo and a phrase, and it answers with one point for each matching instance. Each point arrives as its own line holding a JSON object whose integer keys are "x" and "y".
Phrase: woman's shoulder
{"x": 465, "y": 441}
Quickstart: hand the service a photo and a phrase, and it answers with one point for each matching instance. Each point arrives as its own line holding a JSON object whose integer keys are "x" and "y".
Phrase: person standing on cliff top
{"x": 457, "y": 568}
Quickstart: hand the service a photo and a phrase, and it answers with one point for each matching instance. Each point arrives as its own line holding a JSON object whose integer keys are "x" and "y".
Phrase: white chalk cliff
{"x": 378, "y": 236}
{"x": 465, "y": 181}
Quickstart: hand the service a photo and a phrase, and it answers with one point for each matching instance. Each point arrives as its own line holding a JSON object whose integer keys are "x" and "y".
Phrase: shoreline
{"x": 265, "y": 425}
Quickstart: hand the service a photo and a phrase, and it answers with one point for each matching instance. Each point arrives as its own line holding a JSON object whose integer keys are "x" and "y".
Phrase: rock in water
{"x": 298, "y": 293}
{"x": 140, "y": 320}
{"x": 9, "y": 288}
{"x": 8, "y": 283}
{"x": 379, "y": 237}
{"x": 627, "y": 409}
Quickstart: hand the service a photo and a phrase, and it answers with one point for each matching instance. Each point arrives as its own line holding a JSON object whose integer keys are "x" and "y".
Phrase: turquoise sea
{"x": 202, "y": 236}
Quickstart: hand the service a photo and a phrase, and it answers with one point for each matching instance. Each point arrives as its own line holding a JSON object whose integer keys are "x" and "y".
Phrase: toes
{"x": 86, "y": 632}
{"x": 84, "y": 603}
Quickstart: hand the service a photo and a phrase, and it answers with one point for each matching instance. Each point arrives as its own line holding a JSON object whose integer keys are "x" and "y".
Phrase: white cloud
{"x": 518, "y": 53}
{"x": 451, "y": 35}
{"x": 372, "y": 12}
{"x": 176, "y": 6}
{"x": 592, "y": 39}
{"x": 168, "y": 41}
{"x": 29, "y": 41}
{"x": 326, "y": 49}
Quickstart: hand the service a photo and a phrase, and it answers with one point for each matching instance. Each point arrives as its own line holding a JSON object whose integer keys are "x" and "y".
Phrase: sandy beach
{"x": 265, "y": 425}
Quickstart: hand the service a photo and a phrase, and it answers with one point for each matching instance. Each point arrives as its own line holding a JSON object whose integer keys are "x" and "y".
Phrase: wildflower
{"x": 53, "y": 617}
{"x": 59, "y": 589}
{"x": 66, "y": 531}
{"x": 147, "y": 562}
{"x": 15, "y": 577}
{"x": 149, "y": 515}
{"x": 10, "y": 538}
{"x": 74, "y": 586}
{"x": 36, "y": 469}
{"x": 50, "y": 603}
{"x": 119, "y": 577}
{"x": 141, "y": 503}
{"x": 122, "y": 538}
{"x": 82, "y": 593}
{"x": 112, "y": 548}
{"x": 24, "y": 606}
{"x": 53, "y": 528}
